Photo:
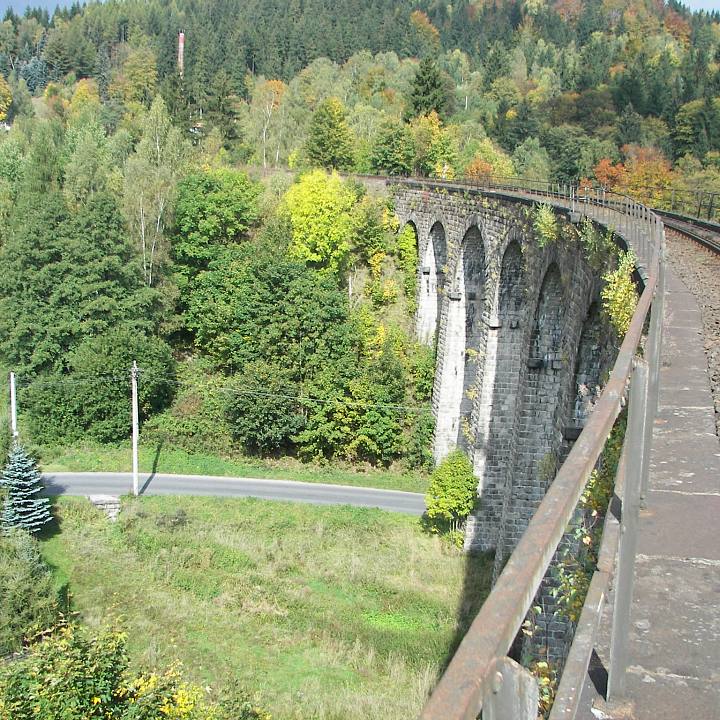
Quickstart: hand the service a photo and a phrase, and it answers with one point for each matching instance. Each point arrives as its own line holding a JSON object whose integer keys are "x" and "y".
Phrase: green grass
{"x": 164, "y": 459}
{"x": 327, "y": 612}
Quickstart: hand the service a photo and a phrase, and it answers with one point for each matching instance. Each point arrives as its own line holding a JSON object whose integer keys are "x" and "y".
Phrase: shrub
{"x": 28, "y": 601}
{"x": 619, "y": 295}
{"x": 262, "y": 409}
{"x": 451, "y": 494}
{"x": 596, "y": 245}
{"x": 418, "y": 440}
{"x": 196, "y": 420}
{"x": 72, "y": 673}
{"x": 545, "y": 224}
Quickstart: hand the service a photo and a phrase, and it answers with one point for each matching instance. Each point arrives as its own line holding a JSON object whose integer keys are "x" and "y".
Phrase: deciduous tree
{"x": 393, "y": 150}
{"x": 150, "y": 176}
{"x": 330, "y": 143}
{"x": 320, "y": 207}
{"x": 213, "y": 208}
{"x": 5, "y": 98}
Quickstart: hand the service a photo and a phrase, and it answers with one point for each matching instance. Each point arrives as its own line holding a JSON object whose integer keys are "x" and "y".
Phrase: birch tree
{"x": 265, "y": 107}
{"x": 150, "y": 176}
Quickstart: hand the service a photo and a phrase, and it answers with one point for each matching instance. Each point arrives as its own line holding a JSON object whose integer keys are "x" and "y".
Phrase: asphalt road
{"x": 112, "y": 483}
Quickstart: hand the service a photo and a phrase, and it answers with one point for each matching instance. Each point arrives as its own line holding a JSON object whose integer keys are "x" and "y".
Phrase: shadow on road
{"x": 53, "y": 487}
{"x": 153, "y": 472}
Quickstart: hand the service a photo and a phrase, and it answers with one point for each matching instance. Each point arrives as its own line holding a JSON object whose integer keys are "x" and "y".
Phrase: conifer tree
{"x": 430, "y": 91}
{"x": 22, "y": 483}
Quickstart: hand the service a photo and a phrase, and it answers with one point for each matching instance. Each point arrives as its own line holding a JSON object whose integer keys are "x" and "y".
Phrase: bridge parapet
{"x": 481, "y": 677}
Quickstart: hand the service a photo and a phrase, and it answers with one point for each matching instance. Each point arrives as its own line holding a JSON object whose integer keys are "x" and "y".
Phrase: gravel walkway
{"x": 699, "y": 269}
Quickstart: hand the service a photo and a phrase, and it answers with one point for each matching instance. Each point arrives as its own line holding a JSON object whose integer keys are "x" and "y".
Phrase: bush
{"x": 418, "y": 441}
{"x": 358, "y": 418}
{"x": 262, "y": 409}
{"x": 71, "y": 673}
{"x": 196, "y": 420}
{"x": 451, "y": 494}
{"x": 28, "y": 601}
{"x": 92, "y": 399}
{"x": 619, "y": 295}
{"x": 546, "y": 225}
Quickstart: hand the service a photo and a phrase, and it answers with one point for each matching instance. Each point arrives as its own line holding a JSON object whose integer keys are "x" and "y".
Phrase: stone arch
{"x": 593, "y": 359}
{"x": 590, "y": 364}
{"x": 432, "y": 280}
{"x": 504, "y": 367}
{"x": 546, "y": 339}
{"x": 438, "y": 239}
{"x": 463, "y": 330}
{"x": 474, "y": 269}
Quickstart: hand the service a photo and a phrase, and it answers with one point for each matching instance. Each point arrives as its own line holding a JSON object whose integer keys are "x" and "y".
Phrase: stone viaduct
{"x": 522, "y": 348}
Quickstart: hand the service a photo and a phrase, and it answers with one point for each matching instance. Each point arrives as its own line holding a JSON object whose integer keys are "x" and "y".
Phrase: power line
{"x": 227, "y": 389}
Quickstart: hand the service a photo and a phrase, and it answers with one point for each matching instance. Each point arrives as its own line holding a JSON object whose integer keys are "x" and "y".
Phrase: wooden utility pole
{"x": 135, "y": 425}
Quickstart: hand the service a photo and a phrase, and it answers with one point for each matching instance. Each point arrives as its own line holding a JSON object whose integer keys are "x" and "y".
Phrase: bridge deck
{"x": 675, "y": 637}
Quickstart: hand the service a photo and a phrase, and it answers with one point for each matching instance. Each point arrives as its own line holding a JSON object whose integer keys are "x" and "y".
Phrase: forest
{"x": 181, "y": 214}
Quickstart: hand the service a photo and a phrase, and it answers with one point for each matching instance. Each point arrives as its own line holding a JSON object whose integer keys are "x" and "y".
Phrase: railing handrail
{"x": 470, "y": 674}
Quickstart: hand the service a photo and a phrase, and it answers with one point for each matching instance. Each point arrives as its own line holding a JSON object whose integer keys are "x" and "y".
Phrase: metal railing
{"x": 480, "y": 677}
{"x": 697, "y": 204}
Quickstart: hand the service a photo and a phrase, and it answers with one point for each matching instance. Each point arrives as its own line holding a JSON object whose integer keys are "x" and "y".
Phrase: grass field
{"x": 327, "y": 612}
{"x": 172, "y": 460}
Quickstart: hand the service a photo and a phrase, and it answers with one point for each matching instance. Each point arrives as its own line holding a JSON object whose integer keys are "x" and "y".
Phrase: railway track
{"x": 705, "y": 233}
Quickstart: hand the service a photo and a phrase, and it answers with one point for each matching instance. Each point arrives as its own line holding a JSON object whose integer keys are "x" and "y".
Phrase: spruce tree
{"x": 430, "y": 91}
{"x": 22, "y": 483}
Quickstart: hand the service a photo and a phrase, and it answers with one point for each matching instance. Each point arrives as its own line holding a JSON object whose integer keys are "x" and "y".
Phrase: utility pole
{"x": 135, "y": 425}
{"x": 13, "y": 407}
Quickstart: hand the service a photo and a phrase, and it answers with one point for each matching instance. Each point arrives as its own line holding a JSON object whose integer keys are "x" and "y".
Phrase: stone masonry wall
{"x": 508, "y": 416}
{"x": 520, "y": 355}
